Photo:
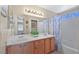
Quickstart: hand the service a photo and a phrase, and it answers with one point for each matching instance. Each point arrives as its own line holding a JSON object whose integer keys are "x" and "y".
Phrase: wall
{"x": 3, "y": 32}
{"x": 19, "y": 10}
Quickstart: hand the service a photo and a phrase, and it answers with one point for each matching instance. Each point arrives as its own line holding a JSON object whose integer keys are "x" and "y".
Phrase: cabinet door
{"x": 47, "y": 45}
{"x": 15, "y": 49}
{"x": 28, "y": 48}
{"x": 39, "y": 47}
{"x": 53, "y": 46}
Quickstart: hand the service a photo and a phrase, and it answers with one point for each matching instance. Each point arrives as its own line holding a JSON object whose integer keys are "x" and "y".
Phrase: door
{"x": 39, "y": 47}
{"x": 47, "y": 45}
{"x": 28, "y": 48}
{"x": 53, "y": 45}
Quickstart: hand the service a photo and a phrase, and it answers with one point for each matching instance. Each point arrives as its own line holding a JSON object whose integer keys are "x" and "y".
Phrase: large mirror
{"x": 34, "y": 27}
{"x": 42, "y": 26}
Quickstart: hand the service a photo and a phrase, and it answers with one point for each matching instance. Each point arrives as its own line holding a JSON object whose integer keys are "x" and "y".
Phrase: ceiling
{"x": 57, "y": 8}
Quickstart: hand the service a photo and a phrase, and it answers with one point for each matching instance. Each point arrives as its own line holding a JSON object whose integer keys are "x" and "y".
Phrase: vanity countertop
{"x": 25, "y": 38}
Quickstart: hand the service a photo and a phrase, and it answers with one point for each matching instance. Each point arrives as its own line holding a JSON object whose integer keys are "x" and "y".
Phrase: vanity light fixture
{"x": 33, "y": 12}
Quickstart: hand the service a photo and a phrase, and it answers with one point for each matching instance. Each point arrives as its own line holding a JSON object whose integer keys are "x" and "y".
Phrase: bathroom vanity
{"x": 43, "y": 44}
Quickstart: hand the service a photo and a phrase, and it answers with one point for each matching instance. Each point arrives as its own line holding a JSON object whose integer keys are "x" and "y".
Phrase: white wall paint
{"x": 3, "y": 32}
{"x": 57, "y": 8}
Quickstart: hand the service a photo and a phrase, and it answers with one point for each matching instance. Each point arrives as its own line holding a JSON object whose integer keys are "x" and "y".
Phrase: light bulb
{"x": 34, "y": 12}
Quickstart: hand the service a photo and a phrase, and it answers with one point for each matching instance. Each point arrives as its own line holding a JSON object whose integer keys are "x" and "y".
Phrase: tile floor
{"x": 56, "y": 52}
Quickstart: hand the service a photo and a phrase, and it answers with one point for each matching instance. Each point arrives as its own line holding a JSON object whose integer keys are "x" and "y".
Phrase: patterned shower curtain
{"x": 56, "y": 29}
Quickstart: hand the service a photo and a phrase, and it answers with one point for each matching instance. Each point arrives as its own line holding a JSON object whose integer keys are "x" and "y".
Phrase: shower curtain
{"x": 56, "y": 28}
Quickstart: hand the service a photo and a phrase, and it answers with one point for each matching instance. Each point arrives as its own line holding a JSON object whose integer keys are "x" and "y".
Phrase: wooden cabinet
{"x": 47, "y": 45}
{"x": 42, "y": 46}
{"x": 15, "y": 49}
{"x": 25, "y": 48}
{"x": 39, "y": 47}
{"x": 50, "y": 45}
{"x": 28, "y": 48}
{"x": 53, "y": 44}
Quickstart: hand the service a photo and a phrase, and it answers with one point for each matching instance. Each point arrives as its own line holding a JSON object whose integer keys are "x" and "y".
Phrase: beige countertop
{"x": 25, "y": 38}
